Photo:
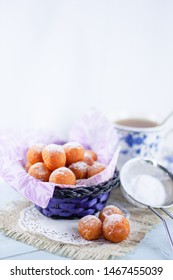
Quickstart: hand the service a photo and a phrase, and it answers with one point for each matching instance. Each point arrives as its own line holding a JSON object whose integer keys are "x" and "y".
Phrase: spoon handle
{"x": 167, "y": 213}
{"x": 165, "y": 225}
{"x": 167, "y": 118}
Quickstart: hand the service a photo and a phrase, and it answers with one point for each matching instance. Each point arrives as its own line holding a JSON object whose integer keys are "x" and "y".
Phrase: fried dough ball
{"x": 54, "y": 156}
{"x": 96, "y": 168}
{"x": 88, "y": 159}
{"x": 109, "y": 210}
{"x": 74, "y": 152}
{"x": 34, "y": 153}
{"x": 63, "y": 176}
{"x": 27, "y": 166}
{"x": 116, "y": 228}
{"x": 39, "y": 171}
{"x": 90, "y": 227}
{"x": 79, "y": 169}
{"x": 91, "y": 153}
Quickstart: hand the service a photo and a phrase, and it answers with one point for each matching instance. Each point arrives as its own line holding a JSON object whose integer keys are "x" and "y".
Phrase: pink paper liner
{"x": 93, "y": 131}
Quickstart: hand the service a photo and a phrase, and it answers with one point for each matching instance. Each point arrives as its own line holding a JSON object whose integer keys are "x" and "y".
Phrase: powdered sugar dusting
{"x": 38, "y": 147}
{"x": 62, "y": 170}
{"x": 40, "y": 170}
{"x": 110, "y": 210}
{"x": 96, "y": 168}
{"x": 99, "y": 164}
{"x": 80, "y": 165}
{"x": 112, "y": 219}
{"x": 73, "y": 145}
{"x": 90, "y": 220}
{"x": 54, "y": 148}
{"x": 38, "y": 167}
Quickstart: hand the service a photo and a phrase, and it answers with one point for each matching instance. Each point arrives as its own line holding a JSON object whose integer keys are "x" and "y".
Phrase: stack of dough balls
{"x": 111, "y": 224}
{"x": 62, "y": 164}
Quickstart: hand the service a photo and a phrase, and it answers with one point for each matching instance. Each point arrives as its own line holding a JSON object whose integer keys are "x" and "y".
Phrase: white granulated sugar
{"x": 54, "y": 148}
{"x": 148, "y": 190}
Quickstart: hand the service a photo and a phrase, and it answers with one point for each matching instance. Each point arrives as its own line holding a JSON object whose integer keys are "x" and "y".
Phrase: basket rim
{"x": 83, "y": 191}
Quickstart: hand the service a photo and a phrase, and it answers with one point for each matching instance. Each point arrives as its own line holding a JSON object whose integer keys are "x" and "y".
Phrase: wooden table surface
{"x": 154, "y": 246}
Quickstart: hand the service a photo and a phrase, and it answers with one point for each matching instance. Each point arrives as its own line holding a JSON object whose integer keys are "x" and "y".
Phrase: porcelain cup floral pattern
{"x": 135, "y": 142}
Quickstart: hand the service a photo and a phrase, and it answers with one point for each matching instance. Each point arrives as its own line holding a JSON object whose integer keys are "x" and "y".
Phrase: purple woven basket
{"x": 79, "y": 202}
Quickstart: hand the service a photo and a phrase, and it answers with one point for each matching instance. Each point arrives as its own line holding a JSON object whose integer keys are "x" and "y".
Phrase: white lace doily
{"x": 62, "y": 230}
{"x": 65, "y": 231}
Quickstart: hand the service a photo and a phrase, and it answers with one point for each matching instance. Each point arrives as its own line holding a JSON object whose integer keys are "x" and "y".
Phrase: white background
{"x": 60, "y": 57}
{"x": 81, "y": 265}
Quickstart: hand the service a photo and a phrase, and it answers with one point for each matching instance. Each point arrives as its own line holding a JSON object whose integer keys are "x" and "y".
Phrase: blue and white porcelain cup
{"x": 138, "y": 136}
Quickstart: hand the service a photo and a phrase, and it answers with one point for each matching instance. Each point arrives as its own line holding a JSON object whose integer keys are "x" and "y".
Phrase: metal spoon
{"x": 138, "y": 166}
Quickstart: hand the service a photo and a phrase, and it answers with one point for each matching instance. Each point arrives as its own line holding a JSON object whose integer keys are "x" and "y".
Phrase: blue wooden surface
{"x": 154, "y": 246}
